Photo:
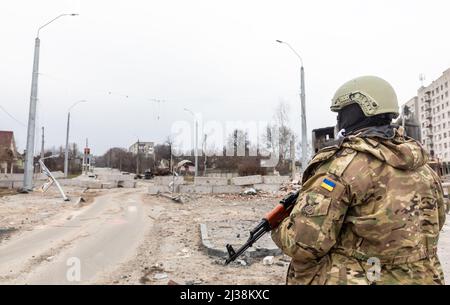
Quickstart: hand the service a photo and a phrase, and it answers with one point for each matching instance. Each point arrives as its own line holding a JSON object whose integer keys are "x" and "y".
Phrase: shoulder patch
{"x": 340, "y": 163}
{"x": 328, "y": 184}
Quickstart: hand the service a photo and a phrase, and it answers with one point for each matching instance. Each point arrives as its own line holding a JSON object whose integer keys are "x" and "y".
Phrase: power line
{"x": 12, "y": 117}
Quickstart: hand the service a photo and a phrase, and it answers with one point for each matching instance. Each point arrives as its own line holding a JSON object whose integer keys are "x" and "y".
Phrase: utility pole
{"x": 204, "y": 149}
{"x": 110, "y": 156}
{"x": 196, "y": 140}
{"x": 303, "y": 117}
{"x": 29, "y": 156}
{"x": 196, "y": 147}
{"x": 66, "y": 152}
{"x": 303, "y": 107}
{"x": 293, "y": 156}
{"x": 137, "y": 158}
{"x": 42, "y": 144}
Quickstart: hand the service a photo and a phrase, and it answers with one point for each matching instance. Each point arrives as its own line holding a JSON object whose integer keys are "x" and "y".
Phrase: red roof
{"x": 6, "y": 140}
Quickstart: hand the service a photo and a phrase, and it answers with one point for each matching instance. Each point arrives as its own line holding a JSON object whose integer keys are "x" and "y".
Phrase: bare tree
{"x": 285, "y": 133}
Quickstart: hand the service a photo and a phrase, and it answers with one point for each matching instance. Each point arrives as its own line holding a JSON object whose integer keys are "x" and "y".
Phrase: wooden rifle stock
{"x": 270, "y": 221}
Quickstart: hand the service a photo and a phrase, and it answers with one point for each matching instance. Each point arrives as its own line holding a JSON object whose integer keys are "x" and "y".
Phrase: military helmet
{"x": 373, "y": 94}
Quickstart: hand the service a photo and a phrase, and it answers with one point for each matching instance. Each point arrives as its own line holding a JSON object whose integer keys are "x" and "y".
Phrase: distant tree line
{"x": 277, "y": 139}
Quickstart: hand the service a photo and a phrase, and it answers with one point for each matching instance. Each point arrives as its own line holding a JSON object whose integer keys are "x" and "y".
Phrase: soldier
{"x": 370, "y": 209}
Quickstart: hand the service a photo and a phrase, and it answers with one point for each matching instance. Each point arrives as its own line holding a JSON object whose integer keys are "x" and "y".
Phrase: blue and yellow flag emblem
{"x": 328, "y": 185}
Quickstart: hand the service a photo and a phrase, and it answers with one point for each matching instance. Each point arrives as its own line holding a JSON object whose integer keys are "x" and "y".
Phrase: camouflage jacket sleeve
{"x": 316, "y": 220}
{"x": 442, "y": 203}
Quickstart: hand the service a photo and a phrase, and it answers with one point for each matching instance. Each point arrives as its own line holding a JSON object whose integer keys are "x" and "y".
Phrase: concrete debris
{"x": 250, "y": 191}
{"x": 268, "y": 261}
{"x": 241, "y": 262}
{"x": 160, "y": 276}
{"x": 176, "y": 199}
{"x": 293, "y": 186}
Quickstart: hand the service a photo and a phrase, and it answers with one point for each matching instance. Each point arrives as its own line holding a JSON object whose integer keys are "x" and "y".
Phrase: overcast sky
{"x": 217, "y": 58}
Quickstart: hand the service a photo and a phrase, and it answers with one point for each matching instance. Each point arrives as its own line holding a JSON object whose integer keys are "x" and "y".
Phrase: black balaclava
{"x": 352, "y": 118}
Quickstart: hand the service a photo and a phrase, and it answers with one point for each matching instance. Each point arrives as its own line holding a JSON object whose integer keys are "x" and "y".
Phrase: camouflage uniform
{"x": 380, "y": 200}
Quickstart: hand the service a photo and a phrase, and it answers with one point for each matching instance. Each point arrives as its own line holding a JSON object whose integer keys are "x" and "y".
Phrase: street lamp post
{"x": 29, "y": 166}
{"x": 66, "y": 152}
{"x": 196, "y": 140}
{"x": 302, "y": 105}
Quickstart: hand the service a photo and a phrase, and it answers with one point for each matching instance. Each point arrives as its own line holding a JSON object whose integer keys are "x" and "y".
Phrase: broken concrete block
{"x": 7, "y": 184}
{"x": 126, "y": 184}
{"x": 156, "y": 189}
{"x": 94, "y": 185}
{"x": 276, "y": 179}
{"x": 129, "y": 184}
{"x": 165, "y": 180}
{"x": 198, "y": 189}
{"x": 247, "y": 180}
{"x": 108, "y": 185}
{"x": 210, "y": 181}
{"x": 270, "y": 188}
{"x": 226, "y": 189}
{"x": 113, "y": 177}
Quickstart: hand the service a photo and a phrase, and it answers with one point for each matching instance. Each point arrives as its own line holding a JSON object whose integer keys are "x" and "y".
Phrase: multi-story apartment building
{"x": 144, "y": 148}
{"x": 431, "y": 108}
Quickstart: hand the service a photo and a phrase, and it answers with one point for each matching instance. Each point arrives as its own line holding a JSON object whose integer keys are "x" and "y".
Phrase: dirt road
{"x": 91, "y": 240}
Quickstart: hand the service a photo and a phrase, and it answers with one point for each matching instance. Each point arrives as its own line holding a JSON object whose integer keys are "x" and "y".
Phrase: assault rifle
{"x": 270, "y": 221}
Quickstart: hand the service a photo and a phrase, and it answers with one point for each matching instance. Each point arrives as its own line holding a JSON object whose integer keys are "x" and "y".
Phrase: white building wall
{"x": 435, "y": 125}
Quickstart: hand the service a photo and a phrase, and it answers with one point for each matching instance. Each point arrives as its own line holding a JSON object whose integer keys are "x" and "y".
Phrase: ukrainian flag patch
{"x": 328, "y": 185}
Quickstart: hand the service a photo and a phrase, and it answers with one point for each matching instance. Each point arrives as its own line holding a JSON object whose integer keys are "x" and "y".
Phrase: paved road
{"x": 78, "y": 248}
